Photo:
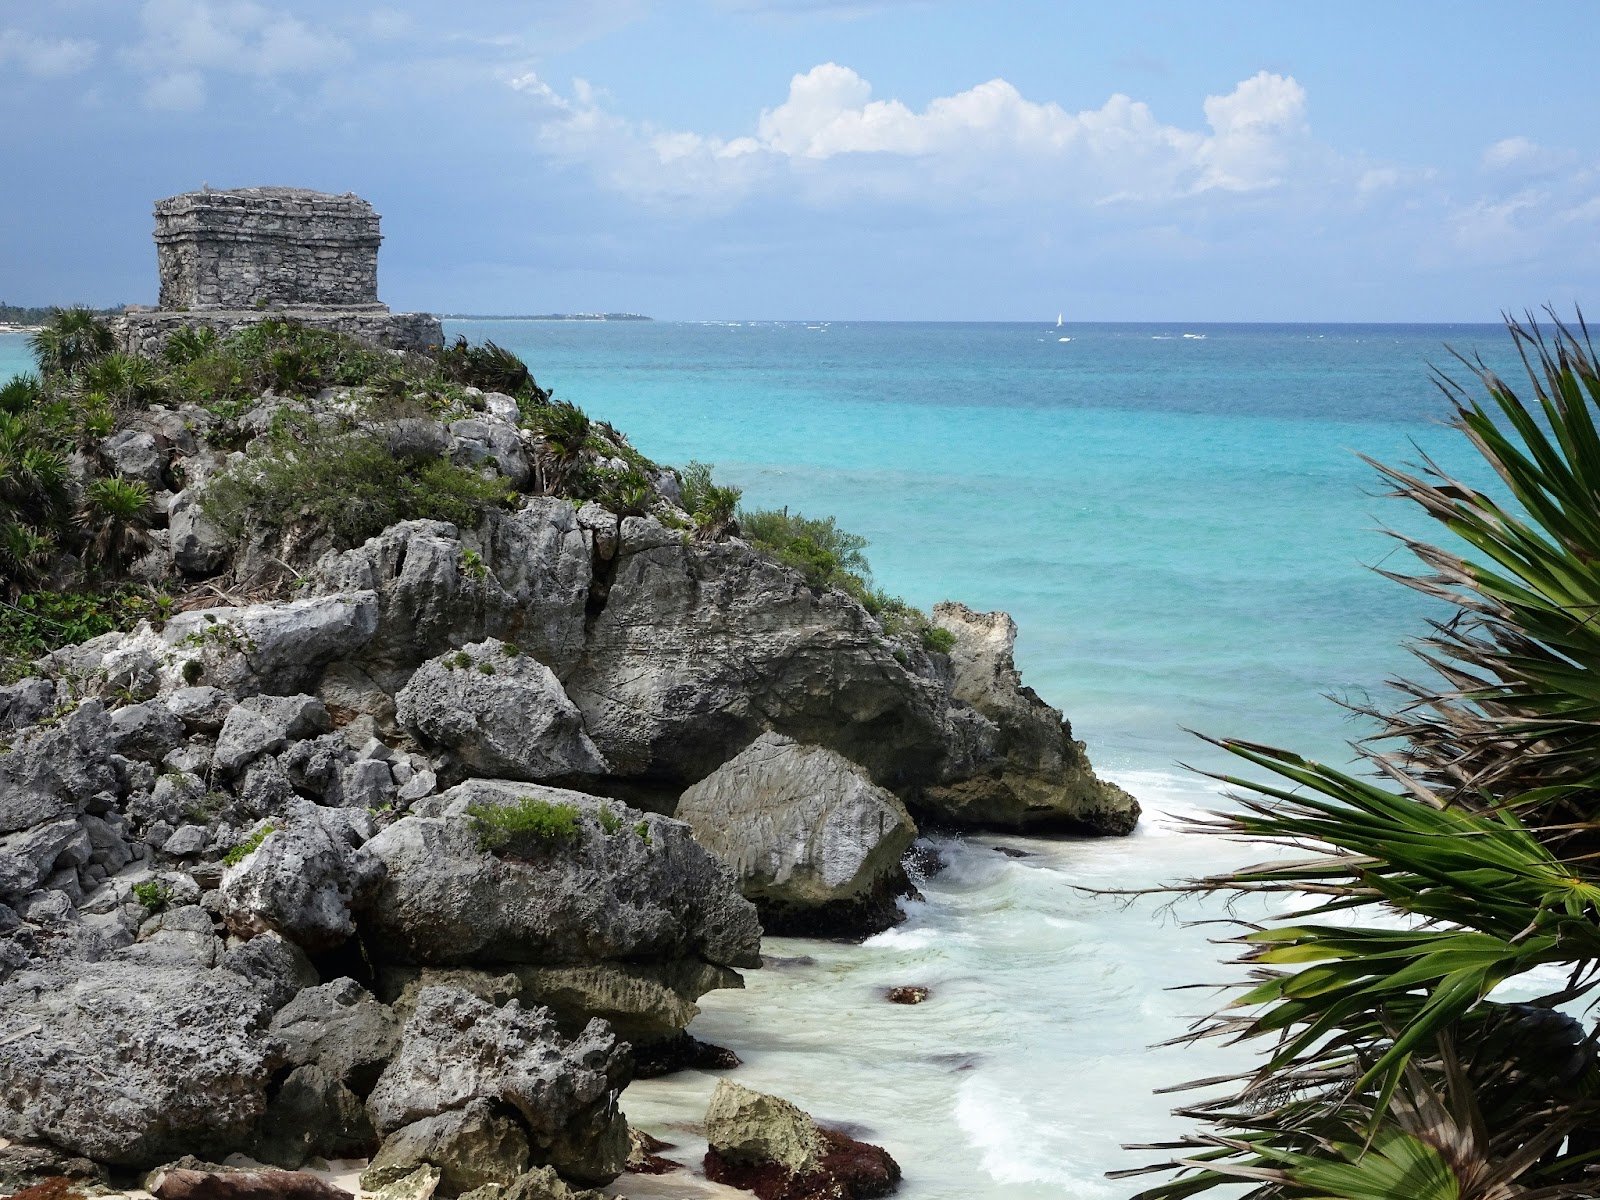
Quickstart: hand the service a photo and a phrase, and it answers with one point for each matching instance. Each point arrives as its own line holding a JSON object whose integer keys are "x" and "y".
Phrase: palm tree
{"x": 1388, "y": 1070}
{"x": 115, "y": 518}
{"x": 70, "y": 340}
{"x": 565, "y": 430}
{"x": 34, "y": 495}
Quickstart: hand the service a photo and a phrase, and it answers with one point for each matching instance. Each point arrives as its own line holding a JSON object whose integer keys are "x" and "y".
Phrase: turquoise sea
{"x": 1176, "y": 517}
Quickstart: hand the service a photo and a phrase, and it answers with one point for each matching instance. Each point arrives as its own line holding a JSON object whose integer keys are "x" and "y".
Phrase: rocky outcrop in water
{"x": 810, "y": 839}
{"x": 766, "y": 1145}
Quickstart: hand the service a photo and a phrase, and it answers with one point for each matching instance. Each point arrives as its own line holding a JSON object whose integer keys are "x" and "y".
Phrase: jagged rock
{"x": 415, "y": 438}
{"x": 144, "y": 731}
{"x": 106, "y": 836}
{"x": 540, "y": 1183}
{"x": 419, "y": 1185}
{"x": 186, "y": 840}
{"x": 1042, "y": 778}
{"x": 601, "y": 895}
{"x": 471, "y": 1147}
{"x": 340, "y": 1028}
{"x": 766, "y": 1145}
{"x": 458, "y": 1048}
{"x": 501, "y": 712}
{"x": 349, "y": 692}
{"x": 130, "y": 1063}
{"x": 701, "y": 647}
{"x": 750, "y": 1127}
{"x": 532, "y": 590}
{"x": 809, "y": 837}
{"x": 202, "y": 709}
{"x": 135, "y": 456}
{"x": 275, "y": 969}
{"x": 28, "y": 858}
{"x": 264, "y": 725}
{"x": 314, "y": 1114}
{"x": 181, "y": 933}
{"x": 24, "y": 702}
{"x": 207, "y": 1181}
{"x": 300, "y": 882}
{"x": 367, "y": 783}
{"x": 56, "y": 771}
{"x": 24, "y": 1167}
{"x": 643, "y": 1003}
{"x": 494, "y": 442}
{"x": 272, "y": 648}
{"x": 194, "y": 543}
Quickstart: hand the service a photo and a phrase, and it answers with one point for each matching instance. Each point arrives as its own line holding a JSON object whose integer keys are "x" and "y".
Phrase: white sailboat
{"x": 1058, "y": 326}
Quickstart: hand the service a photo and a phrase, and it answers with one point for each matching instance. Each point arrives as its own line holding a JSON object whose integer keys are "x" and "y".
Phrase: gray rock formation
{"x": 131, "y": 1063}
{"x": 604, "y": 894}
{"x": 812, "y": 840}
{"x": 499, "y": 711}
{"x": 314, "y": 1114}
{"x": 471, "y": 1146}
{"x": 56, "y": 771}
{"x": 340, "y": 1028}
{"x": 458, "y": 1048}
{"x": 1042, "y": 778}
{"x": 301, "y": 882}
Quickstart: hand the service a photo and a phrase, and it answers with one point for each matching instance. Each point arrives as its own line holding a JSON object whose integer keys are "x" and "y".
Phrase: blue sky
{"x": 883, "y": 159}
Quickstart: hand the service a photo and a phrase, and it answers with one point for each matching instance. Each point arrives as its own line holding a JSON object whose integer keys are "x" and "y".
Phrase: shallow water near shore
{"x": 1181, "y": 529}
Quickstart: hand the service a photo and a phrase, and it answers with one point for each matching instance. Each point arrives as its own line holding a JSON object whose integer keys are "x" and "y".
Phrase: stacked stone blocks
{"x": 230, "y": 259}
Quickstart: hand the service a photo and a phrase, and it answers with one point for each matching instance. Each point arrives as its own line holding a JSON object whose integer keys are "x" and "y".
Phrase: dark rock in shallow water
{"x": 1013, "y": 852}
{"x": 682, "y": 1053}
{"x": 906, "y": 995}
{"x": 644, "y": 1155}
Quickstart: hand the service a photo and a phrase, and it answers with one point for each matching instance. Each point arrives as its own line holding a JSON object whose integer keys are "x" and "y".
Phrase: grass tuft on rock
{"x": 524, "y": 828}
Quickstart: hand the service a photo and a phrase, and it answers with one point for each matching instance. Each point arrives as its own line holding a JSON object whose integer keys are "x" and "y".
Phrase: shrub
{"x": 115, "y": 518}
{"x": 153, "y": 895}
{"x": 70, "y": 340}
{"x": 713, "y": 507}
{"x": 248, "y": 846}
{"x": 491, "y": 368}
{"x": 524, "y": 828}
{"x": 826, "y": 555}
{"x": 609, "y": 821}
{"x": 35, "y": 623}
{"x": 341, "y": 485}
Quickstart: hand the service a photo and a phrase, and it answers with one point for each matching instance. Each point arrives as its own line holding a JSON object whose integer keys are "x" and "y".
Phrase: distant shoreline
{"x": 544, "y": 317}
{"x": 9, "y": 327}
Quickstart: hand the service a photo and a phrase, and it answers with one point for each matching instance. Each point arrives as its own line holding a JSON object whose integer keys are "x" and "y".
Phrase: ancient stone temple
{"x": 230, "y": 259}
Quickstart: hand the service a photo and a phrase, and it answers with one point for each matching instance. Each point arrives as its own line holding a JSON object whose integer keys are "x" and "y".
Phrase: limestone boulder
{"x": 1032, "y": 774}
{"x": 499, "y": 711}
{"x": 701, "y": 647}
{"x": 53, "y": 772}
{"x": 301, "y": 881}
{"x": 766, "y": 1145}
{"x": 624, "y": 886}
{"x": 197, "y": 547}
{"x": 30, "y": 857}
{"x": 131, "y": 1062}
{"x": 809, "y": 837}
{"x": 273, "y": 648}
{"x": 458, "y": 1050}
{"x": 526, "y": 581}
{"x": 341, "y": 1029}
{"x": 264, "y": 725}
{"x": 313, "y": 1114}
{"x": 472, "y": 1147}
{"x": 135, "y": 456}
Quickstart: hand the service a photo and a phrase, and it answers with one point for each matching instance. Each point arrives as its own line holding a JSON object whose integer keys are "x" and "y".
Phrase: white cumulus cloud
{"x": 183, "y": 40}
{"x": 45, "y": 58}
{"x": 830, "y": 133}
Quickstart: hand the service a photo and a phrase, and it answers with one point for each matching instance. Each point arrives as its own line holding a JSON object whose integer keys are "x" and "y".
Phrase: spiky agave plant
{"x": 1388, "y": 1070}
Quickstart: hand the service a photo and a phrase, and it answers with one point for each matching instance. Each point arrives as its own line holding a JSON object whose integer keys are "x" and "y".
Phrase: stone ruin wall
{"x": 231, "y": 259}
{"x": 266, "y": 246}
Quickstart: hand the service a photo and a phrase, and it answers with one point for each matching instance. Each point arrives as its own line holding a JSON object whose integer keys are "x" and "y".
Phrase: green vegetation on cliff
{"x": 1390, "y": 1066}
{"x": 341, "y": 439}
